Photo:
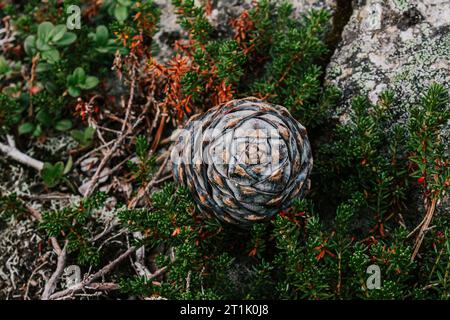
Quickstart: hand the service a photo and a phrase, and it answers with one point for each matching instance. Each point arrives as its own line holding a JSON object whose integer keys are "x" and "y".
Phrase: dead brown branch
{"x": 126, "y": 130}
{"x": 424, "y": 227}
{"x": 34, "y": 63}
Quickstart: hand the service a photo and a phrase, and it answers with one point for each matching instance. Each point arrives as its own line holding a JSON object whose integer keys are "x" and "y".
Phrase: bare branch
{"x": 15, "y": 154}
{"x": 87, "y": 281}
{"x": 109, "y": 154}
{"x": 424, "y": 227}
{"x": 52, "y": 282}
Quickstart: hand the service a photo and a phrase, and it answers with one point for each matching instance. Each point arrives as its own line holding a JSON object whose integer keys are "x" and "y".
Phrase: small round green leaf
{"x": 101, "y": 35}
{"x": 4, "y": 66}
{"x": 44, "y": 117}
{"x": 90, "y": 83}
{"x": 73, "y": 91}
{"x": 121, "y": 13}
{"x": 42, "y": 67}
{"x": 44, "y": 30}
{"x": 79, "y": 75}
{"x": 58, "y": 32}
{"x": 30, "y": 45}
{"x": 41, "y": 45}
{"x": 52, "y": 56}
{"x": 63, "y": 125}
{"x": 67, "y": 38}
{"x": 26, "y": 128}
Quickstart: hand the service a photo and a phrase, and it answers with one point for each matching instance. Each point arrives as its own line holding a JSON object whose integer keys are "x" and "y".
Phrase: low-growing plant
{"x": 84, "y": 137}
{"x": 53, "y": 173}
{"x": 72, "y": 224}
{"x": 78, "y": 81}
{"x": 102, "y": 42}
{"x": 48, "y": 115}
{"x": 10, "y": 111}
{"x": 47, "y": 41}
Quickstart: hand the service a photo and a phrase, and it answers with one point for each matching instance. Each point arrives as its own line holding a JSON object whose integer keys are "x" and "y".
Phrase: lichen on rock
{"x": 399, "y": 45}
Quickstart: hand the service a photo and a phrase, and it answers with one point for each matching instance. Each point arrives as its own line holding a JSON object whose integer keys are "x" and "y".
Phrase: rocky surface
{"x": 403, "y": 45}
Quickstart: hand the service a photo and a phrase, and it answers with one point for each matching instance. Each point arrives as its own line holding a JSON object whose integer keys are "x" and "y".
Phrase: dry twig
{"x": 69, "y": 292}
{"x": 424, "y": 227}
{"x": 109, "y": 154}
{"x": 50, "y": 286}
{"x": 15, "y": 154}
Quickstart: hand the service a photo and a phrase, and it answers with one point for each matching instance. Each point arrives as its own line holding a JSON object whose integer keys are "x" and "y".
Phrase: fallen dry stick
{"x": 86, "y": 283}
{"x": 50, "y": 286}
{"x": 423, "y": 229}
{"x": 15, "y": 154}
{"x": 100, "y": 286}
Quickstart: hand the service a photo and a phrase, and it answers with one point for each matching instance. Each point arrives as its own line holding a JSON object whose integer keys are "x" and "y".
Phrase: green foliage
{"x": 427, "y": 150}
{"x": 84, "y": 137}
{"x": 301, "y": 255}
{"x": 57, "y": 59}
{"x": 172, "y": 222}
{"x": 142, "y": 169}
{"x": 168, "y": 212}
{"x": 101, "y": 40}
{"x": 229, "y": 60}
{"x": 436, "y": 268}
{"x": 78, "y": 81}
{"x": 47, "y": 41}
{"x": 10, "y": 111}
{"x": 11, "y": 206}
{"x": 53, "y": 173}
{"x": 5, "y": 69}
{"x": 275, "y": 59}
{"x": 49, "y": 115}
{"x": 192, "y": 18}
{"x": 366, "y": 156}
{"x": 74, "y": 223}
{"x": 368, "y": 169}
{"x": 138, "y": 285}
{"x": 290, "y": 76}
{"x": 119, "y": 9}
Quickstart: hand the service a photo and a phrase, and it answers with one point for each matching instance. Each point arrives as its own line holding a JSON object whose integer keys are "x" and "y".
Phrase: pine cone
{"x": 243, "y": 161}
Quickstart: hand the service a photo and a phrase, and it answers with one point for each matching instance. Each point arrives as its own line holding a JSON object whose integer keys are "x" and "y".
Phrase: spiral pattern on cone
{"x": 243, "y": 161}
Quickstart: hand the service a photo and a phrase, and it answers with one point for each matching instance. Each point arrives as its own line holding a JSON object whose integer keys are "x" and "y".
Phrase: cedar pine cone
{"x": 243, "y": 161}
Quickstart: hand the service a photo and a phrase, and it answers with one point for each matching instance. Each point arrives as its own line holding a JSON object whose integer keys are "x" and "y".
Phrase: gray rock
{"x": 169, "y": 30}
{"x": 305, "y": 5}
{"x": 403, "y": 45}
